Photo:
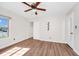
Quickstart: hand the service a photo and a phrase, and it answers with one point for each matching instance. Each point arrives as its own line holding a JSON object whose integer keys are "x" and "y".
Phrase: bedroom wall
{"x": 19, "y": 28}
{"x": 56, "y": 32}
{"x": 75, "y": 12}
{"x": 76, "y": 22}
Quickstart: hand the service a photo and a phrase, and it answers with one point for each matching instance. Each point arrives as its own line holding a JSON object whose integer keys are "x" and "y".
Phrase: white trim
{"x": 13, "y": 43}
{"x": 51, "y": 41}
{"x": 76, "y": 51}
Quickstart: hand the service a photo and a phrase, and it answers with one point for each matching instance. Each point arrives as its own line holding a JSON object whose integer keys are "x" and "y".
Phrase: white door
{"x": 70, "y": 30}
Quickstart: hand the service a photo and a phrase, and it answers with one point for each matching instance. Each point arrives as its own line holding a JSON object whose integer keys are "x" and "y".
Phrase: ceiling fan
{"x": 34, "y": 6}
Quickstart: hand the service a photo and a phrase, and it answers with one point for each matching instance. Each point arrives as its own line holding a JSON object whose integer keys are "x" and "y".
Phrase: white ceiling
{"x": 52, "y": 8}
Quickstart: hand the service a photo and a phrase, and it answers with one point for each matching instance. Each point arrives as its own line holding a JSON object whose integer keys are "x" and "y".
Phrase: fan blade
{"x": 41, "y": 9}
{"x": 27, "y": 10}
{"x": 37, "y": 3}
{"x": 26, "y": 4}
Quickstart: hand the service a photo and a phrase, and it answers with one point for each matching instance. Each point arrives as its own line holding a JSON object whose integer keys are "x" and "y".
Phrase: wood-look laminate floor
{"x": 40, "y": 48}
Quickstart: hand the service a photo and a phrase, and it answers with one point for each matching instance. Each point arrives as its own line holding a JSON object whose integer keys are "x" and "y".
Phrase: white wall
{"x": 75, "y": 11}
{"x": 36, "y": 29}
{"x": 76, "y": 22}
{"x": 56, "y": 32}
{"x": 19, "y": 28}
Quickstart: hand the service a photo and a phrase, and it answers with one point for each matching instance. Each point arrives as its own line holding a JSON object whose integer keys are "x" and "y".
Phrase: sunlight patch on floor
{"x": 21, "y": 52}
{"x": 16, "y": 51}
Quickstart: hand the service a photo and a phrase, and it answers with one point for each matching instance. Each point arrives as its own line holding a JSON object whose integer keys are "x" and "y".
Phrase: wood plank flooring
{"x": 42, "y": 48}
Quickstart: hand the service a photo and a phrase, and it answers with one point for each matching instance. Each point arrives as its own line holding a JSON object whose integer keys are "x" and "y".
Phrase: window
{"x": 4, "y": 27}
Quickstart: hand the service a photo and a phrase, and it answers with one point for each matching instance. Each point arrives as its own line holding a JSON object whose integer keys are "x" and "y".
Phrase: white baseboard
{"x": 13, "y": 43}
{"x": 76, "y": 51}
{"x": 51, "y": 41}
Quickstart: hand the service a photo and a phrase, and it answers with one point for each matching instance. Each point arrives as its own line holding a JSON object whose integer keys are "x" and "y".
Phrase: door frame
{"x": 70, "y": 31}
